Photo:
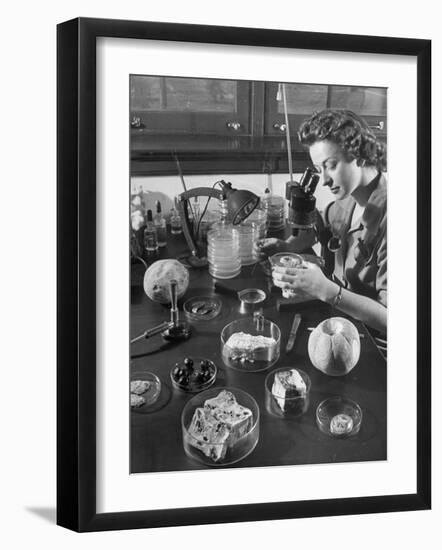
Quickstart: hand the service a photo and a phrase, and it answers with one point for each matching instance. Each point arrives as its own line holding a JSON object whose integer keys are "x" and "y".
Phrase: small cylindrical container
{"x": 248, "y": 235}
{"x": 223, "y": 252}
{"x": 251, "y": 344}
{"x": 287, "y": 392}
{"x": 222, "y": 442}
{"x": 251, "y": 300}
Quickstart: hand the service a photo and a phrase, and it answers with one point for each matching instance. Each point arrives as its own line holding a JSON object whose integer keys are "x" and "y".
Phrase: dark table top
{"x": 156, "y": 438}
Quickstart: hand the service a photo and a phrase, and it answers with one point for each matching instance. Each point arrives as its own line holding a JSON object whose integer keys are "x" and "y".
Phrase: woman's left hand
{"x": 307, "y": 278}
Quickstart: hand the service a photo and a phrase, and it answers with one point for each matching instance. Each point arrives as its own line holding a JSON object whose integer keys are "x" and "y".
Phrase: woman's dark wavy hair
{"x": 347, "y": 130}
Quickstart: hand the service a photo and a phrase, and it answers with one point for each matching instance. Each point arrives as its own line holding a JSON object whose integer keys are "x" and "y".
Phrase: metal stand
{"x": 170, "y": 330}
{"x": 177, "y": 330}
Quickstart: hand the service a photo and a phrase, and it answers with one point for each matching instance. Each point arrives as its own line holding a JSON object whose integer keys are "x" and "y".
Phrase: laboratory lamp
{"x": 238, "y": 204}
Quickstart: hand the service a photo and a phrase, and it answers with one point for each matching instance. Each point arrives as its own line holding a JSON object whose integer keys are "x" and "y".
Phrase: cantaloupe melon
{"x": 334, "y": 346}
{"x": 158, "y": 276}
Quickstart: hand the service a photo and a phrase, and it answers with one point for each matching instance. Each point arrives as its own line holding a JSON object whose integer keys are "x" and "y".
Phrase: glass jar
{"x": 291, "y": 401}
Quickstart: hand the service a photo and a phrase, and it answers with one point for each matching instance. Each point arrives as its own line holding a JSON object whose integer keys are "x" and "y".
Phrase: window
{"x": 364, "y": 101}
{"x": 231, "y": 126}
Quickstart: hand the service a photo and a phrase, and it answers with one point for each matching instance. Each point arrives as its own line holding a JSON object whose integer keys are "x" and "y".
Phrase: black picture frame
{"x": 76, "y": 274}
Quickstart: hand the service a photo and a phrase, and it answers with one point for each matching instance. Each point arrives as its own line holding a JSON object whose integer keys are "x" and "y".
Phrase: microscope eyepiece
{"x": 309, "y": 180}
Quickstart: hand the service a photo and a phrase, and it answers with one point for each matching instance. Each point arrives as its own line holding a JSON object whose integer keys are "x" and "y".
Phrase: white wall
{"x": 167, "y": 187}
{"x": 28, "y": 276}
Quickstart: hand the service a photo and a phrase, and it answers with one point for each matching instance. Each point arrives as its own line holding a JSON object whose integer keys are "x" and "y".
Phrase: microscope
{"x": 305, "y": 220}
{"x": 302, "y": 202}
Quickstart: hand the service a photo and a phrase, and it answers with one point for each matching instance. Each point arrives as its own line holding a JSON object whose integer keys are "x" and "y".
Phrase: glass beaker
{"x": 285, "y": 259}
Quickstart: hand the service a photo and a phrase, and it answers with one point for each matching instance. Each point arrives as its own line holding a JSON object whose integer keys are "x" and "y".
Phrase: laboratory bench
{"x": 156, "y": 442}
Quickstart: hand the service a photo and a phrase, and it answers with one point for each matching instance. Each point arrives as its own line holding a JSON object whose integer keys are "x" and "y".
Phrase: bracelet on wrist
{"x": 335, "y": 301}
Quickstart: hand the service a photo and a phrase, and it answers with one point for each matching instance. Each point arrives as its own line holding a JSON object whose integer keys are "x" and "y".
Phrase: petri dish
{"x": 193, "y": 374}
{"x": 146, "y": 387}
{"x": 202, "y": 308}
{"x": 230, "y": 444}
{"x": 339, "y": 417}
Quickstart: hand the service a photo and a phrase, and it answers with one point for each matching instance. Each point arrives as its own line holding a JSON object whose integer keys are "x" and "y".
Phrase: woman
{"x": 351, "y": 163}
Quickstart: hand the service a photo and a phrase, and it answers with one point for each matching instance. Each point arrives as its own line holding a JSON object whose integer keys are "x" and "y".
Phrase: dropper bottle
{"x": 196, "y": 218}
{"x": 265, "y": 199}
{"x": 150, "y": 237}
{"x": 175, "y": 222}
{"x": 160, "y": 226}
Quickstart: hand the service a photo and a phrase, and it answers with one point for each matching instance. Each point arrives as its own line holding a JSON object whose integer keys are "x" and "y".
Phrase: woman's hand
{"x": 303, "y": 241}
{"x": 306, "y": 279}
{"x": 268, "y": 247}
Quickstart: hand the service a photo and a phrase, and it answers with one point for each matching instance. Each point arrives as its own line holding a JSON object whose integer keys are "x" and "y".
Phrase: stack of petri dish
{"x": 248, "y": 235}
{"x": 275, "y": 213}
{"x": 223, "y": 252}
{"x": 211, "y": 218}
{"x": 259, "y": 216}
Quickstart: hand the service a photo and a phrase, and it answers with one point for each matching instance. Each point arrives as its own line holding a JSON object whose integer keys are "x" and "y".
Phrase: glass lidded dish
{"x": 287, "y": 392}
{"x": 220, "y": 426}
{"x": 202, "y": 308}
{"x": 193, "y": 374}
{"x": 339, "y": 417}
{"x": 251, "y": 344}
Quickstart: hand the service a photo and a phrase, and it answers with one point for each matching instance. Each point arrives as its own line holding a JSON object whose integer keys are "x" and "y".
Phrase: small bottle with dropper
{"x": 196, "y": 218}
{"x": 175, "y": 222}
{"x": 150, "y": 237}
{"x": 160, "y": 225}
